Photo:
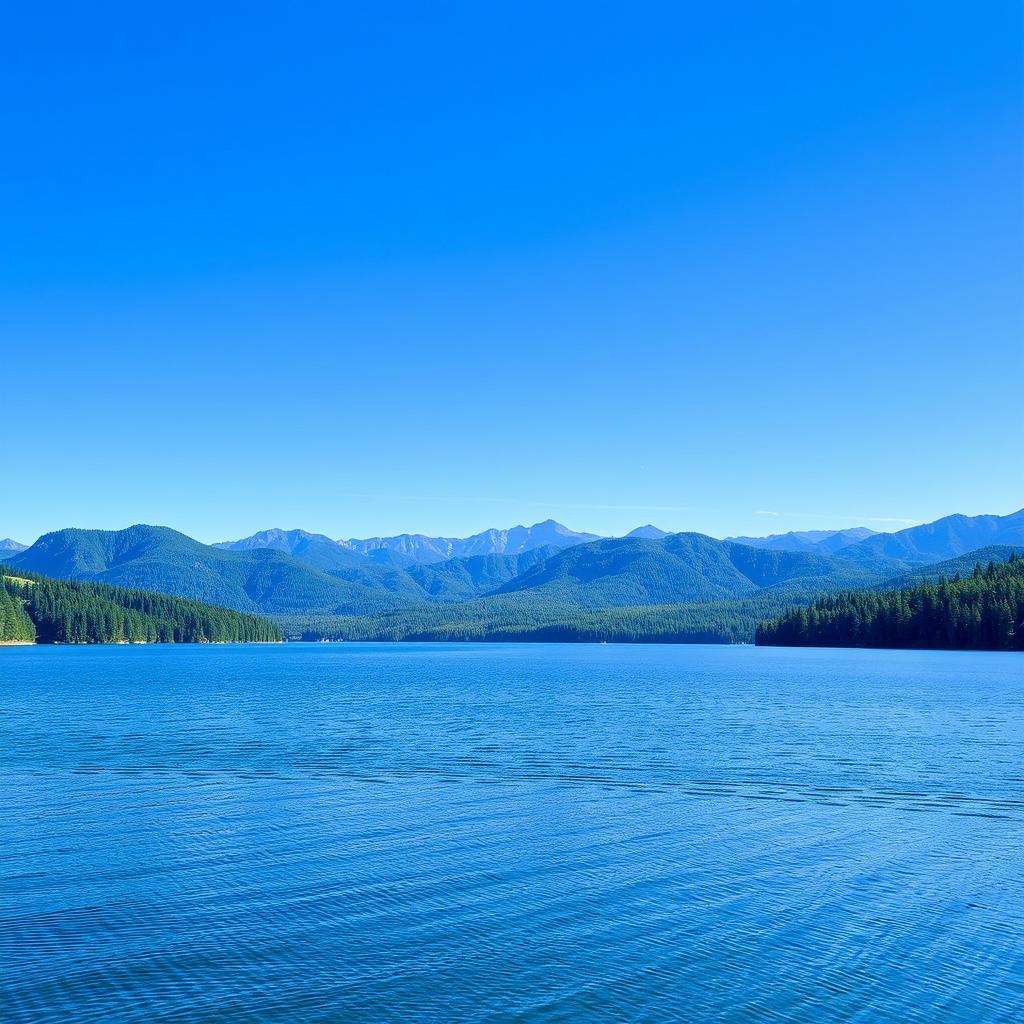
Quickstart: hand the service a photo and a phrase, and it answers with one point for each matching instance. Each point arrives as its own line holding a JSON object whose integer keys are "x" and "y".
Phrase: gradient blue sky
{"x": 374, "y": 268}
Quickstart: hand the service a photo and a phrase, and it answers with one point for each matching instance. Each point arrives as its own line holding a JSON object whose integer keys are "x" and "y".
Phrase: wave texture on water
{"x": 522, "y": 832}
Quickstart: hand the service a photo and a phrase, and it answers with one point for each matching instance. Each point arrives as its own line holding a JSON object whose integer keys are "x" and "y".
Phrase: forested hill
{"x": 158, "y": 559}
{"x": 679, "y": 587}
{"x": 983, "y": 611}
{"x": 622, "y": 572}
{"x": 40, "y": 610}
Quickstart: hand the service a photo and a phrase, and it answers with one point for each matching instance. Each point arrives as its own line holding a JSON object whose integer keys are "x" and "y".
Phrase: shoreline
{"x": 144, "y": 643}
{"x": 507, "y": 642}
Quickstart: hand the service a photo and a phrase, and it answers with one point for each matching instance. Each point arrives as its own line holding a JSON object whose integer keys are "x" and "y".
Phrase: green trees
{"x": 519, "y": 617}
{"x": 984, "y": 611}
{"x": 15, "y": 625}
{"x": 56, "y": 611}
{"x": 154, "y": 558}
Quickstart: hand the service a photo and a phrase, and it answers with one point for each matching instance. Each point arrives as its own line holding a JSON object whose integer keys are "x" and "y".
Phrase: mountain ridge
{"x": 419, "y": 547}
{"x": 162, "y": 560}
{"x": 298, "y": 573}
{"x": 515, "y": 540}
{"x": 822, "y": 541}
{"x": 944, "y": 538}
{"x": 682, "y": 567}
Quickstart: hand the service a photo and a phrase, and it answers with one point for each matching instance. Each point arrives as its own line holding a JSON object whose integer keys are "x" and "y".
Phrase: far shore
{"x": 143, "y": 643}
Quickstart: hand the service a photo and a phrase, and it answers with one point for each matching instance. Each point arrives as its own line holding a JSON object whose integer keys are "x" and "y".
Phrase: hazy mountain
{"x": 385, "y": 556}
{"x": 647, "y": 532}
{"x": 962, "y": 565}
{"x": 160, "y": 559}
{"x": 278, "y": 540}
{"x": 409, "y": 549}
{"x": 824, "y": 542}
{"x": 413, "y": 547}
{"x": 935, "y": 542}
{"x": 312, "y": 548}
{"x": 514, "y": 541}
{"x": 843, "y": 539}
{"x": 10, "y": 547}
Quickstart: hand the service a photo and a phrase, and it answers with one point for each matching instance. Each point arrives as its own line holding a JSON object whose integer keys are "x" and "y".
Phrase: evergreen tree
{"x": 984, "y": 611}
{"x": 38, "y": 609}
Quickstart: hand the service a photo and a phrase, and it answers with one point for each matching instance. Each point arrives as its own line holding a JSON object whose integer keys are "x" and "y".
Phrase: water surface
{"x": 510, "y": 833}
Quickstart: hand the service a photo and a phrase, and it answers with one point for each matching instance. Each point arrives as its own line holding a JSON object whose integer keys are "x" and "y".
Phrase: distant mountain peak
{"x": 648, "y": 532}
{"x": 411, "y": 547}
{"x": 8, "y": 546}
{"x": 825, "y": 542}
{"x": 532, "y": 572}
{"x": 282, "y": 540}
{"x": 516, "y": 540}
{"x": 943, "y": 539}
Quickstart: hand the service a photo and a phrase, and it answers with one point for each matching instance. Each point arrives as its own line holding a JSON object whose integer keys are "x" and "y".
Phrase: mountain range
{"x": 933, "y": 542}
{"x": 161, "y": 559}
{"x": 533, "y": 574}
{"x": 419, "y": 548}
{"x": 826, "y": 542}
{"x": 408, "y": 548}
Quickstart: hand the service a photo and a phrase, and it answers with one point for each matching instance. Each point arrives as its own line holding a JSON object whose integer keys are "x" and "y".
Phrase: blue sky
{"x": 436, "y": 267}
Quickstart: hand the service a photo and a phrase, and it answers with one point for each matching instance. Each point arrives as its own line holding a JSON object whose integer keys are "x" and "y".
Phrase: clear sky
{"x": 376, "y": 268}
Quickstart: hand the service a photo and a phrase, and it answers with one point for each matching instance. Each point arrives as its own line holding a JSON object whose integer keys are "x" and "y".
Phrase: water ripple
{"x": 510, "y": 833}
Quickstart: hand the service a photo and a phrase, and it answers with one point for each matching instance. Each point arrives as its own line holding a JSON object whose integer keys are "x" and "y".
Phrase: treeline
{"x": 34, "y": 608}
{"x": 15, "y": 625}
{"x": 518, "y": 619}
{"x": 984, "y": 611}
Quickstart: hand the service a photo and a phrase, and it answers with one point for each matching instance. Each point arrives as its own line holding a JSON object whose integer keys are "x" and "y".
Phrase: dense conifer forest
{"x": 15, "y": 625}
{"x": 517, "y": 618}
{"x": 36, "y": 609}
{"x": 983, "y": 611}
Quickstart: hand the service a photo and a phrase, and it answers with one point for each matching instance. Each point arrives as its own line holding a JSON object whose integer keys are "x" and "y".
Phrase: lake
{"x": 510, "y": 833}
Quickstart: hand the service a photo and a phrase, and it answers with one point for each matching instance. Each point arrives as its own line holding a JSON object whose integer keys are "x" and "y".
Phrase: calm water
{"x": 543, "y": 833}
